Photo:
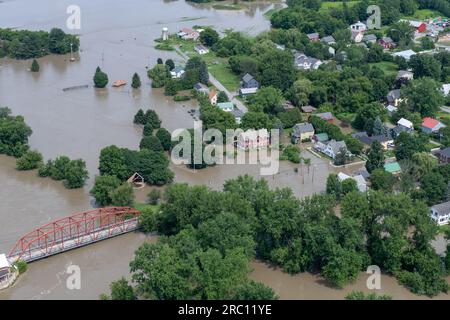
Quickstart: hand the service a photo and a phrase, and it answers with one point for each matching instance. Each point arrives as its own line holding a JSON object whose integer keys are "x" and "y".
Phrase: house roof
{"x": 200, "y": 47}
{"x": 4, "y": 263}
{"x": 247, "y": 78}
{"x": 391, "y": 108}
{"x": 442, "y": 208}
{"x": 321, "y": 137}
{"x": 178, "y": 69}
{"x": 445, "y": 152}
{"x": 394, "y": 95}
{"x": 405, "y": 74}
{"x": 407, "y": 54}
{"x": 328, "y": 39}
{"x": 237, "y": 113}
{"x": 226, "y": 105}
{"x": 313, "y": 35}
{"x": 300, "y": 128}
{"x": 336, "y": 146}
{"x": 430, "y": 123}
{"x": 387, "y": 40}
{"x": 392, "y": 167}
{"x": 364, "y": 138}
{"x": 405, "y": 123}
{"x": 446, "y": 89}
{"x": 200, "y": 86}
{"x": 212, "y": 94}
{"x": 248, "y": 90}
{"x": 308, "y": 109}
{"x": 370, "y": 37}
{"x": 325, "y": 115}
{"x": 363, "y": 172}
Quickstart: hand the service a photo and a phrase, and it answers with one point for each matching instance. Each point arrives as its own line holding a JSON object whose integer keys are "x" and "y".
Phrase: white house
{"x": 201, "y": 49}
{"x": 253, "y": 139}
{"x": 5, "y": 271}
{"x": 441, "y": 213}
{"x": 407, "y": 54}
{"x": 303, "y": 62}
{"x": 446, "y": 89}
{"x": 405, "y": 123}
{"x": 177, "y": 72}
{"x": 359, "y": 27}
{"x": 334, "y": 147}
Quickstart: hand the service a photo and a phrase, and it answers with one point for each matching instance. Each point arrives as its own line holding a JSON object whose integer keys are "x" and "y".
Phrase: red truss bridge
{"x": 74, "y": 231}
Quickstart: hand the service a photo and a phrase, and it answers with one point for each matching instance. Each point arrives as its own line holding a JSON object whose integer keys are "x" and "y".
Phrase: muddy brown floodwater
{"x": 117, "y": 36}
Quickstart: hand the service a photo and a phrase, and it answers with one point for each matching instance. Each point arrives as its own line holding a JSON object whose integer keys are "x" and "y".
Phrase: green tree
{"x": 76, "y": 174}
{"x": 267, "y": 99}
{"x": 100, "y": 78}
{"x": 58, "y": 170}
{"x": 165, "y": 138}
{"x": 382, "y": 180}
{"x": 151, "y": 143}
{"x": 29, "y": 161}
{"x": 300, "y": 92}
{"x": 375, "y": 157}
{"x": 148, "y": 130}
{"x": 112, "y": 163}
{"x": 153, "y": 196}
{"x": 256, "y": 120}
{"x": 136, "y": 81}
{"x": 123, "y": 195}
{"x": 170, "y": 64}
{"x": 139, "y": 117}
{"x": 34, "y": 66}
{"x": 103, "y": 187}
{"x": 251, "y": 290}
{"x": 209, "y": 37}
{"x": 334, "y": 186}
{"x": 159, "y": 74}
{"x": 423, "y": 96}
{"x": 121, "y": 290}
{"x": 434, "y": 188}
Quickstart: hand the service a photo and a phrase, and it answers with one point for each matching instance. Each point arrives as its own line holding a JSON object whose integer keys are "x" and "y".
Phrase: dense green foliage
{"x": 72, "y": 172}
{"x": 100, "y": 78}
{"x": 24, "y": 44}
{"x": 14, "y": 133}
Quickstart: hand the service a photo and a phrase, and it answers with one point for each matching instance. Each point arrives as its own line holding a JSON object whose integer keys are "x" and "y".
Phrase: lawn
{"x": 217, "y": 66}
{"x": 142, "y": 206}
{"x": 327, "y": 5}
{"x": 424, "y": 14}
{"x": 389, "y": 68}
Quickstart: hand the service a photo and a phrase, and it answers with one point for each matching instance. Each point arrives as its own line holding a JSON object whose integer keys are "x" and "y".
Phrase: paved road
{"x": 232, "y": 96}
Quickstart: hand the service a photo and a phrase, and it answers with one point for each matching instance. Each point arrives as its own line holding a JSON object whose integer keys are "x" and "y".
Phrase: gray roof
{"x": 364, "y": 138}
{"x": 248, "y": 77}
{"x": 370, "y": 37}
{"x": 237, "y": 113}
{"x": 445, "y": 152}
{"x": 363, "y": 172}
{"x": 336, "y": 146}
{"x": 442, "y": 208}
{"x": 393, "y": 95}
{"x": 404, "y": 73}
{"x": 387, "y": 39}
{"x": 325, "y": 115}
{"x": 313, "y": 35}
{"x": 300, "y": 128}
{"x": 328, "y": 39}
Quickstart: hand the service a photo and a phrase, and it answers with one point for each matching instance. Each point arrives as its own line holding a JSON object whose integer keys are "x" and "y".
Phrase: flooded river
{"x": 117, "y": 36}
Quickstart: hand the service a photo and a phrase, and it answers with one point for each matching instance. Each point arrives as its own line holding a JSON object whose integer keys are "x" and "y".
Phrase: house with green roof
{"x": 320, "y": 137}
{"x": 226, "y": 106}
{"x": 393, "y": 167}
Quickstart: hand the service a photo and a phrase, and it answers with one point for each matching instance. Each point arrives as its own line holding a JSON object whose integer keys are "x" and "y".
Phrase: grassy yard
{"x": 424, "y": 14}
{"x": 142, "y": 206}
{"x": 327, "y": 5}
{"x": 218, "y": 66}
{"x": 388, "y": 67}
{"x": 269, "y": 13}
